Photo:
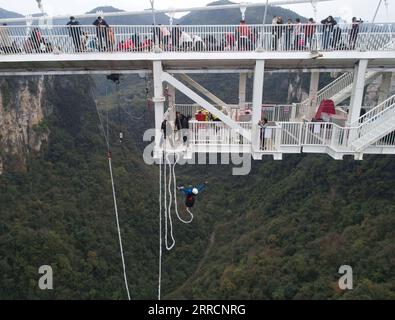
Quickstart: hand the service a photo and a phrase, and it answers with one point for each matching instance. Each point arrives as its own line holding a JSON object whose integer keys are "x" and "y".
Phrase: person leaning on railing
{"x": 298, "y": 31}
{"x": 243, "y": 35}
{"x": 354, "y": 33}
{"x": 328, "y": 25}
{"x": 309, "y": 32}
{"x": 101, "y": 31}
{"x": 277, "y": 31}
{"x": 75, "y": 33}
{"x": 165, "y": 36}
{"x": 289, "y": 29}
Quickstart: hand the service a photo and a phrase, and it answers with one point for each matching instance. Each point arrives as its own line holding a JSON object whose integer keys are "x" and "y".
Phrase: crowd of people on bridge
{"x": 295, "y": 35}
{"x": 285, "y": 36}
{"x": 290, "y": 35}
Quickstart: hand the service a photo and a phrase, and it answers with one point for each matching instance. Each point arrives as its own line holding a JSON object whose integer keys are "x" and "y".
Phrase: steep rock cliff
{"x": 23, "y": 129}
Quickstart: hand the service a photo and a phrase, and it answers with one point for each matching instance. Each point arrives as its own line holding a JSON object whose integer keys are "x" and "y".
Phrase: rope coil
{"x": 166, "y": 185}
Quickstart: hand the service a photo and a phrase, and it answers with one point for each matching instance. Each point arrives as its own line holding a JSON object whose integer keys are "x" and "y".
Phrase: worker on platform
{"x": 263, "y": 124}
{"x": 191, "y": 192}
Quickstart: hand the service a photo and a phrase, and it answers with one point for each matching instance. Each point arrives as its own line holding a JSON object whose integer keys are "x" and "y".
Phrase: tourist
{"x": 328, "y": 25}
{"x": 277, "y": 31}
{"x": 298, "y": 34}
{"x": 354, "y": 32}
{"x": 309, "y": 33}
{"x": 101, "y": 32}
{"x": 75, "y": 33}
{"x": 289, "y": 29}
{"x": 243, "y": 35}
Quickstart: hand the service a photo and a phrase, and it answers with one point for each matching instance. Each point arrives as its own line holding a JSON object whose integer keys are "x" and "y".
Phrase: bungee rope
{"x": 109, "y": 155}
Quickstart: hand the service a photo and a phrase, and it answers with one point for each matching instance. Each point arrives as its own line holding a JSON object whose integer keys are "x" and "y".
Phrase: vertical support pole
{"x": 172, "y": 102}
{"x": 242, "y": 89}
{"x": 385, "y": 87}
{"x": 357, "y": 91}
{"x": 159, "y": 101}
{"x": 314, "y": 83}
{"x": 172, "y": 95}
{"x": 259, "y": 76}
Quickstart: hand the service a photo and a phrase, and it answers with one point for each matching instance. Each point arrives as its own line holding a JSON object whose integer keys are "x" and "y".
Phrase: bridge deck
{"x": 42, "y": 63}
{"x": 86, "y": 49}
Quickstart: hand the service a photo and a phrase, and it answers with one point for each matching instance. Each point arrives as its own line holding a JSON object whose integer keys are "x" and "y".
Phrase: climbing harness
{"x": 109, "y": 155}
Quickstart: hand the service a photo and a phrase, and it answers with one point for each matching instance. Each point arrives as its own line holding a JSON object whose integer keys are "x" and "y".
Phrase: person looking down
{"x": 191, "y": 192}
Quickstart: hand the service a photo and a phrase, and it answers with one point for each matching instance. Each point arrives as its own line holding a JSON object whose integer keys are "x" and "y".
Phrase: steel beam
{"x": 242, "y": 89}
{"x": 159, "y": 101}
{"x": 358, "y": 90}
{"x": 257, "y": 103}
{"x": 166, "y": 77}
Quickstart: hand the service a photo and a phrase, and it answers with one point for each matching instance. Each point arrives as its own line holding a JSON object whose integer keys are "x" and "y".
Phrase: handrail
{"x": 284, "y": 134}
{"x": 197, "y": 38}
{"x": 375, "y": 112}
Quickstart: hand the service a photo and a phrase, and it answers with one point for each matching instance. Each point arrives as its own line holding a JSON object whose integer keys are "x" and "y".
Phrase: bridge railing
{"x": 282, "y": 134}
{"x": 202, "y": 38}
{"x": 217, "y": 133}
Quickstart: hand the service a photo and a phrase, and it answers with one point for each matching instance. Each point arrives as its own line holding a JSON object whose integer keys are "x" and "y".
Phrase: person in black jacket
{"x": 75, "y": 33}
{"x": 329, "y": 23}
{"x": 182, "y": 126}
{"x": 101, "y": 31}
{"x": 354, "y": 33}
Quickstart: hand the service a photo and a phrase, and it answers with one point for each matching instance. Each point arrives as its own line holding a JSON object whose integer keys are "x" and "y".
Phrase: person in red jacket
{"x": 243, "y": 35}
{"x": 126, "y": 45}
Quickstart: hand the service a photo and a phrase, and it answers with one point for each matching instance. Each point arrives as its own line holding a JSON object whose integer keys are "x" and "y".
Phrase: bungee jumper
{"x": 191, "y": 192}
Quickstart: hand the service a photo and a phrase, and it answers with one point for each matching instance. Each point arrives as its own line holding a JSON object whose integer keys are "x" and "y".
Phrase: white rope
{"x": 160, "y": 230}
{"x": 118, "y": 227}
{"x": 190, "y": 213}
{"x": 168, "y": 219}
{"x": 106, "y": 137}
{"x": 175, "y": 195}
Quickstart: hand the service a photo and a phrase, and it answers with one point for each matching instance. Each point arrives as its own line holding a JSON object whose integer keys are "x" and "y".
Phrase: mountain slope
{"x": 5, "y": 14}
{"x": 285, "y": 230}
{"x": 233, "y": 16}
